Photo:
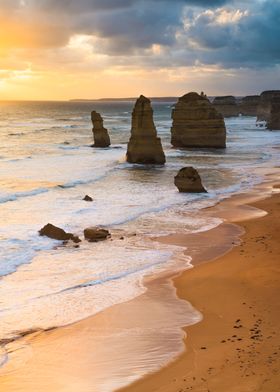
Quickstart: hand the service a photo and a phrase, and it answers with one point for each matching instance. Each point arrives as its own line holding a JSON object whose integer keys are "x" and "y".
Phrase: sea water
{"x": 47, "y": 166}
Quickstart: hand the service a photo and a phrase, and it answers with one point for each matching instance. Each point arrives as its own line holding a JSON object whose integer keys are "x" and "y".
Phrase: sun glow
{"x": 48, "y": 51}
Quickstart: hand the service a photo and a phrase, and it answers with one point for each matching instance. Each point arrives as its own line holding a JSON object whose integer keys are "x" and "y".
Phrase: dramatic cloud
{"x": 238, "y": 38}
{"x": 129, "y": 39}
{"x": 133, "y": 22}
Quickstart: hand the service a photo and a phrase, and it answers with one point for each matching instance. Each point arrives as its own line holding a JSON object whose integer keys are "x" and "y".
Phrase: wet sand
{"x": 236, "y": 347}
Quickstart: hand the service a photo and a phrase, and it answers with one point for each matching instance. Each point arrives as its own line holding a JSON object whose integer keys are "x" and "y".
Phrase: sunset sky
{"x": 63, "y": 49}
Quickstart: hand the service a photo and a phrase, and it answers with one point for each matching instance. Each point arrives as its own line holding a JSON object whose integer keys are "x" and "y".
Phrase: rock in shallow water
{"x": 87, "y": 198}
{"x": 100, "y": 134}
{"x": 188, "y": 180}
{"x": 56, "y": 233}
{"x": 95, "y": 234}
{"x": 144, "y": 146}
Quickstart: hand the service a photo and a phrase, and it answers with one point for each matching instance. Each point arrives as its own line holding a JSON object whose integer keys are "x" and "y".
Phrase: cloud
{"x": 132, "y": 23}
{"x": 168, "y": 37}
{"x": 237, "y": 38}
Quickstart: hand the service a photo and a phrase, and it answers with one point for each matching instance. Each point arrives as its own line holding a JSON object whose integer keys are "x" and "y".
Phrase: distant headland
{"x": 155, "y": 99}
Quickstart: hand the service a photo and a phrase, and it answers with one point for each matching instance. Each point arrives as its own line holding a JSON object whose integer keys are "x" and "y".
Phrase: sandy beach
{"x": 236, "y": 346}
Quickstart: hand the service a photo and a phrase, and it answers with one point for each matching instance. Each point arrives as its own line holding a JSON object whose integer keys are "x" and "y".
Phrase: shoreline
{"x": 41, "y": 340}
{"x": 235, "y": 347}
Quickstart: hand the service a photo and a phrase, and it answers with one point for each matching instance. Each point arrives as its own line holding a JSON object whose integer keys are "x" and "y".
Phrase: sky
{"x": 66, "y": 49}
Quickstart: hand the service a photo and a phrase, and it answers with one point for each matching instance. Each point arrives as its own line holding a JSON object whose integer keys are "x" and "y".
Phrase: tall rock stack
{"x": 274, "y": 119}
{"x": 264, "y": 107}
{"x": 196, "y": 123}
{"x": 227, "y": 106}
{"x": 144, "y": 146}
{"x": 100, "y": 134}
{"x": 249, "y": 105}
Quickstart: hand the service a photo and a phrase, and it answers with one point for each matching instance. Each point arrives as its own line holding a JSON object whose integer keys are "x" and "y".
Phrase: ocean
{"x": 47, "y": 166}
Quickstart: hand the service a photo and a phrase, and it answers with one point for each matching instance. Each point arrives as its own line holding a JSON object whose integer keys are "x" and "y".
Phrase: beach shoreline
{"x": 235, "y": 347}
{"x": 41, "y": 344}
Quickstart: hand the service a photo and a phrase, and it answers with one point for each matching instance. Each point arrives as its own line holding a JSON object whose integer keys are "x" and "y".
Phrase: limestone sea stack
{"x": 274, "y": 119}
{"x": 196, "y": 123}
{"x": 249, "y": 105}
{"x": 188, "y": 180}
{"x": 227, "y": 106}
{"x": 144, "y": 146}
{"x": 100, "y": 134}
{"x": 264, "y": 107}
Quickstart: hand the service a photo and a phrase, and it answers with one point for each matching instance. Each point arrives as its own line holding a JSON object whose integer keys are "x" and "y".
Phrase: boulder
{"x": 274, "y": 119}
{"x": 95, "y": 234}
{"x": 227, "y": 106}
{"x": 188, "y": 180}
{"x": 144, "y": 145}
{"x": 249, "y": 105}
{"x": 196, "y": 123}
{"x": 57, "y": 233}
{"x": 87, "y": 198}
{"x": 264, "y": 107}
{"x": 100, "y": 134}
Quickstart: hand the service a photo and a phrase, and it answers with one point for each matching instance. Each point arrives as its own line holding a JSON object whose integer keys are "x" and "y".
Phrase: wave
{"x": 18, "y": 195}
{"x": 71, "y": 184}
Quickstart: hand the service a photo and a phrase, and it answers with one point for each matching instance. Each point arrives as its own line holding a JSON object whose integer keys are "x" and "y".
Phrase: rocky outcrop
{"x": 227, "y": 106}
{"x": 100, "y": 134}
{"x": 188, "y": 180}
{"x": 264, "y": 107}
{"x": 249, "y": 105}
{"x": 196, "y": 123}
{"x": 95, "y": 234}
{"x": 57, "y": 233}
{"x": 144, "y": 146}
{"x": 274, "y": 119}
{"x": 87, "y": 198}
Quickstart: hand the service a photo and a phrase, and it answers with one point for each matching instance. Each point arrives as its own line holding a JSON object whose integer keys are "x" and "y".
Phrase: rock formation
{"x": 264, "y": 107}
{"x": 188, "y": 180}
{"x": 227, "y": 106}
{"x": 144, "y": 146}
{"x": 274, "y": 119}
{"x": 87, "y": 198}
{"x": 95, "y": 234}
{"x": 100, "y": 134}
{"x": 249, "y": 105}
{"x": 196, "y": 123}
{"x": 57, "y": 233}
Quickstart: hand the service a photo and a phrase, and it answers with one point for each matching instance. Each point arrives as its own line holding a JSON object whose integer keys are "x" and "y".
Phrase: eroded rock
{"x": 144, "y": 145}
{"x": 100, "y": 134}
{"x": 95, "y": 234}
{"x": 274, "y": 119}
{"x": 264, "y": 107}
{"x": 227, "y": 106}
{"x": 249, "y": 105}
{"x": 188, "y": 180}
{"x": 57, "y": 233}
{"x": 87, "y": 198}
{"x": 196, "y": 123}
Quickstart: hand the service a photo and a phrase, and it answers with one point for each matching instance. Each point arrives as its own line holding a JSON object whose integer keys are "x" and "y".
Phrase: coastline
{"x": 39, "y": 348}
{"x": 235, "y": 347}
